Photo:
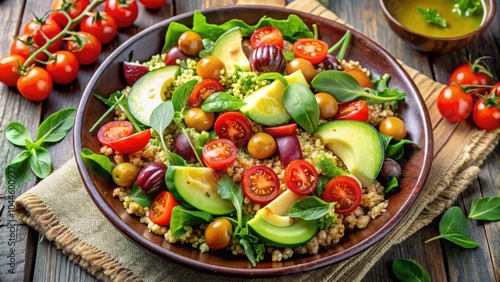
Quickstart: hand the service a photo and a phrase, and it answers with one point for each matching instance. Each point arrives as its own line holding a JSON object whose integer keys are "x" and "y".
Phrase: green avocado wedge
{"x": 228, "y": 48}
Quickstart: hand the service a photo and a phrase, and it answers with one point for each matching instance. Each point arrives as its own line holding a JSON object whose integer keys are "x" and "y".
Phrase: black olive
{"x": 390, "y": 168}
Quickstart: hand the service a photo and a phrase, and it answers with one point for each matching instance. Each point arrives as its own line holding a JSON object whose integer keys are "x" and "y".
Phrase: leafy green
{"x": 453, "y": 227}
{"x": 229, "y": 190}
{"x": 183, "y": 217}
{"x": 320, "y": 187}
{"x": 485, "y": 208}
{"x": 409, "y": 270}
{"x": 181, "y": 95}
{"x": 207, "y": 47}
{"x": 116, "y": 99}
{"x": 253, "y": 250}
{"x": 393, "y": 183}
{"x": 17, "y": 173}
{"x": 140, "y": 197}
{"x": 101, "y": 160}
{"x": 343, "y": 43}
{"x": 273, "y": 76}
{"x": 40, "y": 162}
{"x": 432, "y": 16}
{"x": 466, "y": 8}
{"x": 17, "y": 134}
{"x": 310, "y": 208}
{"x": 394, "y": 148}
{"x": 381, "y": 88}
{"x": 330, "y": 169}
{"x": 222, "y": 101}
{"x": 300, "y": 103}
{"x": 327, "y": 221}
{"x": 56, "y": 126}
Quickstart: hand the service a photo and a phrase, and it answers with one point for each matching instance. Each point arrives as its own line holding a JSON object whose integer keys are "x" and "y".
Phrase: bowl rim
{"x": 482, "y": 28}
{"x": 154, "y": 249}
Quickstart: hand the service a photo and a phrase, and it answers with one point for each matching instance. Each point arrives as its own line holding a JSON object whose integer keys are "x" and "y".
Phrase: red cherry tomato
{"x": 267, "y": 35}
{"x": 486, "y": 112}
{"x": 90, "y": 51}
{"x": 260, "y": 184}
{"x": 313, "y": 50}
{"x": 65, "y": 67}
{"x": 202, "y": 90}
{"x": 472, "y": 73}
{"x": 42, "y": 30}
{"x": 21, "y": 46}
{"x": 355, "y": 110}
{"x": 173, "y": 54}
{"x": 132, "y": 143}
{"x": 346, "y": 192}
{"x": 219, "y": 154}
{"x": 72, "y": 7}
{"x": 301, "y": 177}
{"x": 454, "y": 104}
{"x": 8, "y": 66}
{"x": 361, "y": 77}
{"x": 124, "y": 15}
{"x": 35, "y": 84}
{"x": 235, "y": 127}
{"x": 281, "y": 130}
{"x": 101, "y": 25}
{"x": 114, "y": 130}
{"x": 153, "y": 4}
{"x": 495, "y": 89}
{"x": 160, "y": 210}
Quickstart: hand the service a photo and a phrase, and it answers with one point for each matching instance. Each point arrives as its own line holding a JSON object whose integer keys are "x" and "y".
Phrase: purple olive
{"x": 133, "y": 71}
{"x": 390, "y": 168}
{"x": 267, "y": 58}
{"x": 152, "y": 177}
{"x": 330, "y": 63}
{"x": 183, "y": 149}
{"x": 289, "y": 148}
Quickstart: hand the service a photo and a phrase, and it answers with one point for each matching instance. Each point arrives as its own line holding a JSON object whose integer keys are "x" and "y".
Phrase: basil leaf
{"x": 181, "y": 95}
{"x": 310, "y": 208}
{"x": 393, "y": 183}
{"x": 300, "y": 103}
{"x": 453, "y": 227}
{"x": 182, "y": 217}
{"x": 140, "y": 197}
{"x": 222, "y": 101}
{"x": 432, "y": 16}
{"x": 17, "y": 173}
{"x": 330, "y": 169}
{"x": 56, "y": 126}
{"x": 409, "y": 270}
{"x": 40, "y": 162}
{"x": 229, "y": 190}
{"x": 485, "y": 208}
{"x": 17, "y": 134}
{"x": 101, "y": 160}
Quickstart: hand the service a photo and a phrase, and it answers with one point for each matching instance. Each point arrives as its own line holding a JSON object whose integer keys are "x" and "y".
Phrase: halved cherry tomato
{"x": 361, "y": 77}
{"x": 202, "y": 90}
{"x": 355, "y": 110}
{"x": 160, "y": 210}
{"x": 260, "y": 184}
{"x": 219, "y": 154}
{"x": 301, "y": 177}
{"x": 313, "y": 50}
{"x": 281, "y": 130}
{"x": 267, "y": 35}
{"x": 346, "y": 192}
{"x": 114, "y": 130}
{"x": 235, "y": 127}
{"x": 132, "y": 143}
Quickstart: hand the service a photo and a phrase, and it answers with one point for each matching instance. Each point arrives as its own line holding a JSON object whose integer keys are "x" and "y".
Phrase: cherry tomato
{"x": 260, "y": 184}
{"x": 218, "y": 234}
{"x": 90, "y": 51}
{"x": 267, "y": 35}
{"x": 65, "y": 67}
{"x": 153, "y": 4}
{"x": 124, "y": 14}
{"x": 355, "y": 110}
{"x": 281, "y": 130}
{"x": 219, "y": 154}
{"x": 361, "y": 77}
{"x": 235, "y": 127}
{"x": 8, "y": 66}
{"x": 42, "y": 30}
{"x": 21, "y": 46}
{"x": 210, "y": 67}
{"x": 132, "y": 143}
{"x": 190, "y": 43}
{"x": 72, "y": 7}
{"x": 160, "y": 210}
{"x": 304, "y": 66}
{"x": 261, "y": 146}
{"x": 486, "y": 112}
{"x": 173, "y": 55}
{"x": 301, "y": 177}
{"x": 313, "y": 50}
{"x": 198, "y": 119}
{"x": 472, "y": 73}
{"x": 114, "y": 130}
{"x": 328, "y": 106}
{"x": 495, "y": 89}
{"x": 454, "y": 104}
{"x": 346, "y": 192}
{"x": 393, "y": 126}
{"x": 202, "y": 90}
{"x": 101, "y": 25}
{"x": 35, "y": 84}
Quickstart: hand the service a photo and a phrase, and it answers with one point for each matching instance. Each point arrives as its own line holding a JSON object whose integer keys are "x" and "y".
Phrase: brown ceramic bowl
{"x": 436, "y": 44}
{"x": 415, "y": 168}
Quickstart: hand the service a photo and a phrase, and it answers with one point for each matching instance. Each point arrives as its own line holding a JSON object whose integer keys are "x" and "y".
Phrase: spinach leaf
{"x": 207, "y": 47}
{"x": 56, "y": 126}
{"x": 140, "y": 197}
{"x": 432, "y": 16}
{"x": 17, "y": 134}
{"x": 466, "y": 8}
{"x": 229, "y": 190}
{"x": 310, "y": 208}
{"x": 222, "y": 101}
{"x": 393, "y": 183}
{"x": 300, "y": 103}
{"x": 183, "y": 217}
{"x": 101, "y": 160}
{"x": 394, "y": 148}
{"x": 17, "y": 173}
{"x": 485, "y": 208}
{"x": 330, "y": 169}
{"x": 410, "y": 270}
{"x": 453, "y": 227}
{"x": 40, "y": 162}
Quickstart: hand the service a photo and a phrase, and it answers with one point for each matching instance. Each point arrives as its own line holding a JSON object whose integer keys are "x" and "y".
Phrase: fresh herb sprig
{"x": 116, "y": 99}
{"x": 432, "y": 16}
{"x": 466, "y": 8}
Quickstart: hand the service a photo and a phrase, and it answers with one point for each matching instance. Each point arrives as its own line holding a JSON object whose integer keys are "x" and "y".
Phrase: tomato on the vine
{"x": 132, "y": 143}
{"x": 9, "y": 65}
{"x": 90, "y": 51}
{"x": 346, "y": 192}
{"x": 23, "y": 45}
{"x": 64, "y": 69}
{"x": 153, "y": 4}
{"x": 101, "y": 25}
{"x": 486, "y": 112}
{"x": 72, "y": 7}
{"x": 472, "y": 73}
{"x": 43, "y": 30}
{"x": 301, "y": 177}
{"x": 267, "y": 35}
{"x": 260, "y": 184}
{"x": 235, "y": 127}
{"x": 35, "y": 84}
{"x": 124, "y": 14}
{"x": 160, "y": 210}
{"x": 219, "y": 154}
{"x": 202, "y": 90}
{"x": 355, "y": 110}
{"x": 313, "y": 50}
{"x": 454, "y": 104}
{"x": 114, "y": 130}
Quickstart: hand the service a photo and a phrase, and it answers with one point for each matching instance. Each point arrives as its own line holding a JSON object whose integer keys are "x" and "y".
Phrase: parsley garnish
{"x": 466, "y": 8}
{"x": 432, "y": 16}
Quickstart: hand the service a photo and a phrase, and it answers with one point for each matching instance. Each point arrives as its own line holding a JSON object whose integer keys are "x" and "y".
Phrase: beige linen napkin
{"x": 60, "y": 208}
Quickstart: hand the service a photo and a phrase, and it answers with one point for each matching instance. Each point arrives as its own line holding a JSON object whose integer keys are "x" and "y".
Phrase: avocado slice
{"x": 197, "y": 187}
{"x": 149, "y": 91}
{"x": 358, "y": 144}
{"x": 228, "y": 48}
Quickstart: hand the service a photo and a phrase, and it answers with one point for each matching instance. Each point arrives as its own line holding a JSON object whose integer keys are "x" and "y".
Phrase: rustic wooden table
{"x": 36, "y": 259}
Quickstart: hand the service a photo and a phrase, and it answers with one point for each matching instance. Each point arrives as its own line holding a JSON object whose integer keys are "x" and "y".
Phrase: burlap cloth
{"x": 60, "y": 208}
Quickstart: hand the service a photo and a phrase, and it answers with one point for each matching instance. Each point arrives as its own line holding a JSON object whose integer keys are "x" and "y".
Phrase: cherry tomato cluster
{"x": 470, "y": 93}
{"x": 52, "y": 48}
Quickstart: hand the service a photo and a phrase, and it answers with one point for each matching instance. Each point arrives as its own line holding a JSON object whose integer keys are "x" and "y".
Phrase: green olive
{"x": 328, "y": 106}
{"x": 125, "y": 174}
{"x": 210, "y": 67}
{"x": 261, "y": 146}
{"x": 218, "y": 234}
{"x": 190, "y": 43}
{"x": 304, "y": 65}
{"x": 198, "y": 119}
